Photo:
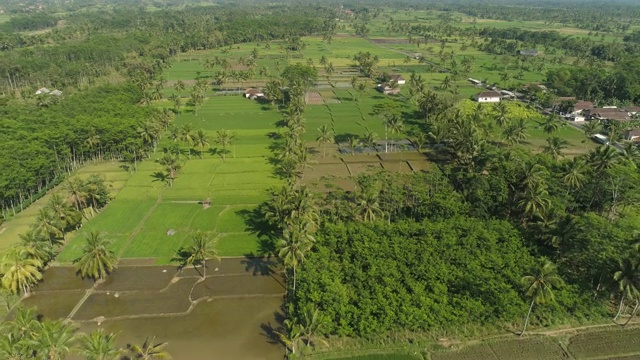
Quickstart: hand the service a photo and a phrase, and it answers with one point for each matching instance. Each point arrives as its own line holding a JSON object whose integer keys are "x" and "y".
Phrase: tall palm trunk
{"x": 294, "y": 279}
{"x": 635, "y": 309}
{"x": 526, "y": 321}
{"x": 619, "y": 308}
{"x": 204, "y": 268}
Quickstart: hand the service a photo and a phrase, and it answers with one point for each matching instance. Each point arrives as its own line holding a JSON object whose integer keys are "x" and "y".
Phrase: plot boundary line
{"x": 139, "y": 227}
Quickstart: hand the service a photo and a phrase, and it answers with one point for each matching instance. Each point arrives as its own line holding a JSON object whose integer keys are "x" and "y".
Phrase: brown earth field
{"x": 230, "y": 315}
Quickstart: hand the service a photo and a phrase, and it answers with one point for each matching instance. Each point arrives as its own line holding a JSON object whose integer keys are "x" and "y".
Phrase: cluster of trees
{"x": 133, "y": 41}
{"x": 39, "y": 145}
{"x": 28, "y": 336}
{"x": 618, "y": 83}
{"x": 22, "y": 266}
{"x": 494, "y": 235}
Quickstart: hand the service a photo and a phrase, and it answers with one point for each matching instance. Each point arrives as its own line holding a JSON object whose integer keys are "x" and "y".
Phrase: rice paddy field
{"x": 233, "y": 312}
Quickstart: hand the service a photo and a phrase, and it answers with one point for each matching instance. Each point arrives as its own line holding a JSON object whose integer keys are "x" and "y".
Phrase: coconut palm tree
{"x": 502, "y": 116}
{"x": 534, "y": 201}
{"x": 224, "y": 138}
{"x": 203, "y": 248}
{"x": 172, "y": 165}
{"x": 201, "y": 142}
{"x": 53, "y": 339}
{"x": 291, "y": 335}
{"x": 591, "y": 128}
{"x": 76, "y": 191}
{"x": 12, "y": 347}
{"x": 20, "y": 271}
{"x": 368, "y": 206}
{"x": 369, "y": 138}
{"x": 63, "y": 212}
{"x": 539, "y": 287}
{"x": 295, "y": 243}
{"x": 186, "y": 135}
{"x": 575, "y": 173}
{"x": 325, "y": 136}
{"x": 353, "y": 144}
{"x": 179, "y": 86}
{"x": 36, "y": 246}
{"x": 604, "y": 158}
{"x": 419, "y": 140}
{"x": 550, "y": 125}
{"x": 149, "y": 133}
{"x": 149, "y": 350}
{"x": 554, "y": 147}
{"x": 395, "y": 125}
{"x": 99, "y": 346}
{"x": 311, "y": 322}
{"x": 628, "y": 278}
{"x": 97, "y": 261}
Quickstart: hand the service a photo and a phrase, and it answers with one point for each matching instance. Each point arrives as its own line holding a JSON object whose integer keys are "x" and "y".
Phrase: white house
{"x": 577, "y": 117}
{"x": 253, "y": 93}
{"x": 398, "y": 79}
{"x": 489, "y": 96}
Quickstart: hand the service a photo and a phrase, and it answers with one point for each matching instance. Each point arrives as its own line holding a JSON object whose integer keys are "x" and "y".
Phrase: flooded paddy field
{"x": 228, "y": 315}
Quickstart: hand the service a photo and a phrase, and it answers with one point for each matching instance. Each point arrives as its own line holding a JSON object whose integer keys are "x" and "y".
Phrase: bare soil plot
{"x": 528, "y": 349}
{"x": 397, "y": 166}
{"x": 230, "y": 314}
{"x": 605, "y": 343}
{"x": 359, "y": 168}
{"x": 318, "y": 171}
{"x": 313, "y": 98}
{"x": 476, "y": 352}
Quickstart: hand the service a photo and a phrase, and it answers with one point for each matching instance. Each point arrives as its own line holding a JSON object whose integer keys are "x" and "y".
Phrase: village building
{"x": 609, "y": 113}
{"x": 253, "y": 93}
{"x": 489, "y": 96}
{"x": 386, "y": 89}
{"x": 398, "y": 79}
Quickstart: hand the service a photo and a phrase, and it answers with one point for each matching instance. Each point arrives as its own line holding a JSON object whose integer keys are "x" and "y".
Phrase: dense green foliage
{"x": 40, "y": 143}
{"x": 372, "y": 279}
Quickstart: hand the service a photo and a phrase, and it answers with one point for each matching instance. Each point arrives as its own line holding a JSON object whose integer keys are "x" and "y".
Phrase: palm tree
{"x": 99, "y": 346}
{"x": 295, "y": 243}
{"x": 224, "y": 138}
{"x": 515, "y": 133}
{"x": 628, "y": 278}
{"x": 20, "y": 271}
{"x": 77, "y": 196}
{"x": 186, "y": 135}
{"x": 311, "y": 322}
{"x": 149, "y": 350}
{"x": 148, "y": 132}
{"x": 502, "y": 117}
{"x": 534, "y": 201}
{"x": 54, "y": 339}
{"x": 200, "y": 140}
{"x": 603, "y": 158}
{"x": 62, "y": 212}
{"x": 353, "y": 143}
{"x": 539, "y": 286}
{"x": 179, "y": 86}
{"x": 325, "y": 136}
{"x": 368, "y": 206}
{"x": 395, "y": 125}
{"x": 554, "y": 147}
{"x": 203, "y": 248}
{"x": 550, "y": 125}
{"x": 172, "y": 166}
{"x": 291, "y": 335}
{"x": 574, "y": 173}
{"x": 12, "y": 347}
{"x": 96, "y": 261}
{"x": 36, "y": 246}
{"x": 418, "y": 141}
{"x": 369, "y": 138}
{"x": 446, "y": 83}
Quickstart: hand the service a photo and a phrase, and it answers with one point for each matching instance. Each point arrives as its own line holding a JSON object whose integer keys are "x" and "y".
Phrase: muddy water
{"x": 227, "y": 316}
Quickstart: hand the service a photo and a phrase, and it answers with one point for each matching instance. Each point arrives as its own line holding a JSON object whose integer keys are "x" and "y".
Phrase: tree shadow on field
{"x": 160, "y": 176}
{"x": 343, "y": 138}
{"x": 257, "y": 224}
{"x": 270, "y": 332}
{"x": 259, "y": 265}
